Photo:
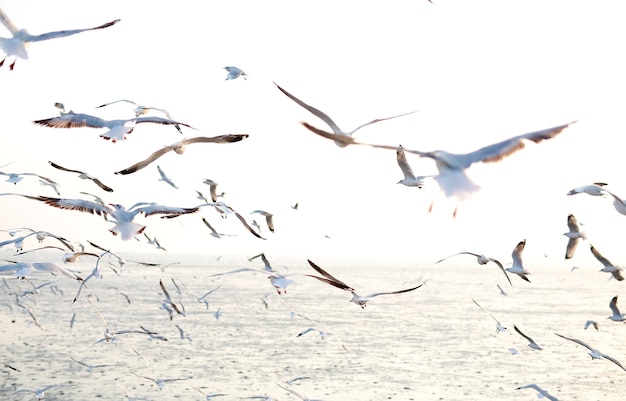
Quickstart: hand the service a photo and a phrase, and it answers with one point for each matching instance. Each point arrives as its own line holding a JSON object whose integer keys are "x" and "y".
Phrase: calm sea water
{"x": 430, "y": 344}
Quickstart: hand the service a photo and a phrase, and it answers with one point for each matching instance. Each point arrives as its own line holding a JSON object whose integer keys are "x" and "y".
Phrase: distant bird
{"x": 452, "y": 177}
{"x": 6, "y": 365}
{"x": 224, "y": 210}
{"x": 294, "y": 392}
{"x": 482, "y": 260}
{"x": 159, "y": 382}
{"x": 23, "y": 269}
{"x": 594, "y": 189}
{"x": 89, "y": 367}
{"x": 179, "y": 148}
{"x": 110, "y": 335}
{"x": 591, "y": 323}
{"x": 278, "y": 280}
{"x": 269, "y": 218}
{"x": 212, "y": 188}
{"x": 410, "y": 179}
{"x": 14, "y": 178}
{"x": 609, "y": 267}
{"x": 40, "y": 392}
{"x": 165, "y": 178}
{"x": 154, "y": 241}
{"x": 518, "y": 267}
{"x": 168, "y": 304}
{"x": 202, "y": 299}
{"x": 502, "y": 292}
{"x": 182, "y": 334}
{"x": 214, "y": 233}
{"x": 117, "y": 129}
{"x": 574, "y": 234}
{"x": 594, "y": 353}
{"x": 531, "y": 343}
{"x": 234, "y": 72}
{"x": 499, "y": 326}
{"x": 122, "y": 217}
{"x": 295, "y": 206}
{"x": 208, "y": 396}
{"x": 356, "y": 298}
{"x": 84, "y": 176}
{"x": 616, "y": 316}
{"x": 541, "y": 393}
{"x": 20, "y": 38}
{"x": 345, "y": 136}
{"x": 142, "y": 110}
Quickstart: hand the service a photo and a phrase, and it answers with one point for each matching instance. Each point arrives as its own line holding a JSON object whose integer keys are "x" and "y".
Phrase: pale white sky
{"x": 478, "y": 71}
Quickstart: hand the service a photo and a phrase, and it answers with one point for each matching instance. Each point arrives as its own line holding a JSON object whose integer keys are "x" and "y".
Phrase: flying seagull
{"x": 541, "y": 393}
{"x": 84, "y": 176}
{"x": 452, "y": 177}
{"x": 594, "y": 353}
{"x": 159, "y": 382}
{"x": 269, "y": 218}
{"x": 531, "y": 343}
{"x": 212, "y": 188}
{"x": 234, "y": 72}
{"x": 609, "y": 267}
{"x": 346, "y": 137}
{"x": 165, "y": 178}
{"x": 518, "y": 267}
{"x": 410, "y": 179}
{"x": 40, "y": 392}
{"x": 482, "y": 260}
{"x": 121, "y": 216}
{"x": 142, "y": 110}
{"x": 499, "y": 326}
{"x": 616, "y": 316}
{"x": 20, "y": 38}
{"x": 214, "y": 233}
{"x": 591, "y": 323}
{"x": 594, "y": 189}
{"x": 574, "y": 234}
{"x": 618, "y": 203}
{"x": 356, "y": 298}
{"x": 179, "y": 148}
{"x": 117, "y": 129}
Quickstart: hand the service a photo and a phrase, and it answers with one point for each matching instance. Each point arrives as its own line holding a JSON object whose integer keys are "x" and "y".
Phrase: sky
{"x": 477, "y": 72}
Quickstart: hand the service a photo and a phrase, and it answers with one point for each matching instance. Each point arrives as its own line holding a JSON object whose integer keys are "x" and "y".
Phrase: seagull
{"x": 532, "y": 344}
{"x": 502, "y": 292}
{"x": 482, "y": 260}
{"x": 517, "y": 267}
{"x": 214, "y": 233}
{"x": 346, "y": 137}
{"x": 20, "y": 38}
{"x": 6, "y": 365}
{"x": 323, "y": 335}
{"x": 179, "y": 148}
{"x": 618, "y": 203}
{"x": 89, "y": 367}
{"x": 234, "y": 72}
{"x": 110, "y": 335}
{"x": 574, "y": 234}
{"x": 304, "y": 398}
{"x": 266, "y": 263}
{"x": 540, "y": 392}
{"x": 122, "y": 217}
{"x": 278, "y": 280}
{"x": 14, "y": 178}
{"x": 594, "y": 189}
{"x": 182, "y": 334}
{"x": 208, "y": 397}
{"x": 594, "y": 353}
{"x": 212, "y": 188}
{"x": 499, "y": 326}
{"x": 159, "y": 382}
{"x": 410, "y": 179}
{"x": 609, "y": 267}
{"x": 154, "y": 242}
{"x": 117, "y": 129}
{"x": 165, "y": 178}
{"x": 168, "y": 304}
{"x": 591, "y": 323}
{"x": 142, "y": 110}
{"x": 616, "y": 316}
{"x": 268, "y": 218}
{"x": 452, "y": 178}
{"x": 356, "y": 298}
{"x": 39, "y": 235}
{"x": 84, "y": 176}
{"x": 23, "y": 269}
{"x": 40, "y": 392}
{"x": 224, "y": 210}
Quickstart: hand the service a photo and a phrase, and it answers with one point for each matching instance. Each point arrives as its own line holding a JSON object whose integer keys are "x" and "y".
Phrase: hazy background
{"x": 478, "y": 72}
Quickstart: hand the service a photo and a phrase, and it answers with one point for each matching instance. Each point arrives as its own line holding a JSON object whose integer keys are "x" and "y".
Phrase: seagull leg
{"x": 12, "y": 64}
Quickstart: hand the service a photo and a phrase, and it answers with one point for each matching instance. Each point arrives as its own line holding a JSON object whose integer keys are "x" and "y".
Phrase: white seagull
{"x": 518, "y": 267}
{"x": 594, "y": 189}
{"x": 84, "y": 176}
{"x": 345, "y": 137}
{"x": 122, "y": 217}
{"x": 212, "y": 188}
{"x": 269, "y": 218}
{"x": 594, "y": 353}
{"x": 531, "y": 343}
{"x": 14, "y": 178}
{"x": 159, "y": 382}
{"x": 410, "y": 179}
{"x": 214, "y": 233}
{"x": 541, "y": 393}
{"x": 574, "y": 234}
{"x": 356, "y": 298}
{"x": 499, "y": 326}
{"x": 591, "y": 323}
{"x": 616, "y": 316}
{"x": 609, "y": 267}
{"x": 20, "y": 38}
{"x": 179, "y": 148}
{"x": 294, "y": 392}
{"x": 23, "y": 269}
{"x": 452, "y": 177}
{"x": 208, "y": 396}
{"x": 142, "y": 110}
{"x": 234, "y": 72}
{"x": 165, "y": 178}
{"x": 40, "y": 392}
{"x": 482, "y": 260}
{"x": 618, "y": 203}
{"x": 117, "y": 129}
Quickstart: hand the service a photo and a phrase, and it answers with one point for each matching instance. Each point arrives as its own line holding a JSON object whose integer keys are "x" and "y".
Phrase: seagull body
{"x": 142, "y": 110}
{"x": 179, "y": 148}
{"x": 234, "y": 73}
{"x": 541, "y": 393}
{"x": 594, "y": 353}
{"x": 518, "y": 267}
{"x": 117, "y": 129}
{"x": 574, "y": 234}
{"x": 532, "y": 344}
{"x": 269, "y": 218}
{"x": 482, "y": 260}
{"x": 165, "y": 178}
{"x": 609, "y": 267}
{"x": 356, "y": 298}
{"x": 616, "y": 316}
{"x": 84, "y": 176}
{"x": 594, "y": 189}
{"x": 20, "y": 38}
{"x": 336, "y": 130}
{"x": 410, "y": 179}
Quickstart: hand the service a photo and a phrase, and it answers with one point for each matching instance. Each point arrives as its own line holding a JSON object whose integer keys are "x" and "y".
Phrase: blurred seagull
{"x": 591, "y": 323}
{"x": 20, "y": 38}
{"x": 574, "y": 234}
{"x": 84, "y": 176}
{"x": 278, "y": 280}
{"x": 594, "y": 353}
{"x": 168, "y": 304}
{"x": 618, "y": 203}
{"x": 212, "y": 188}
{"x": 294, "y": 392}
{"x": 269, "y": 218}
{"x": 14, "y": 178}
{"x": 499, "y": 326}
{"x": 594, "y": 189}
{"x": 356, "y": 298}
{"x": 345, "y": 137}
{"x": 541, "y": 393}
{"x": 40, "y": 392}
{"x": 609, "y": 267}
{"x": 179, "y": 148}
{"x": 23, "y": 269}
{"x": 452, "y": 177}
{"x": 117, "y": 129}
{"x": 165, "y": 178}
{"x": 518, "y": 267}
{"x": 159, "y": 382}
{"x": 482, "y": 260}
{"x": 616, "y": 316}
{"x": 142, "y": 110}
{"x": 214, "y": 233}
{"x": 532, "y": 344}
{"x": 207, "y": 396}
{"x": 410, "y": 179}
{"x": 89, "y": 367}
{"x": 234, "y": 72}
